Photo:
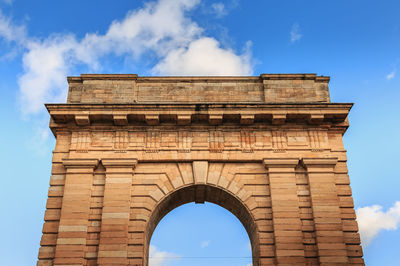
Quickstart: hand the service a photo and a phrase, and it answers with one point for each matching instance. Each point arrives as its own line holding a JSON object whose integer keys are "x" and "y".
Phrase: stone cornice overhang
{"x": 328, "y": 115}
{"x": 165, "y": 79}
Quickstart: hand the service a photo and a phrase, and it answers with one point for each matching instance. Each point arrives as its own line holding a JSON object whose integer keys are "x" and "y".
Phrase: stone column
{"x": 113, "y": 247}
{"x": 285, "y": 211}
{"x": 326, "y": 210}
{"x": 75, "y": 209}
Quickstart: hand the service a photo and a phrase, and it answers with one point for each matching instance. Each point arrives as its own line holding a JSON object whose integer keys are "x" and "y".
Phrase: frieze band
{"x": 154, "y": 140}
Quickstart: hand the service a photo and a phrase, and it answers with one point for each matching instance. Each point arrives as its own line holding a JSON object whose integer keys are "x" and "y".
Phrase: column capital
{"x": 80, "y": 163}
{"x": 119, "y": 162}
{"x": 319, "y": 162}
{"x": 280, "y": 162}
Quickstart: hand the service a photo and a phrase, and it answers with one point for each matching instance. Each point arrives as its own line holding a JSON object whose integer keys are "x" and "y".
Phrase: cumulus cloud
{"x": 46, "y": 65}
{"x": 161, "y": 258}
{"x": 295, "y": 34}
{"x": 391, "y": 75}
{"x": 204, "y": 56}
{"x": 156, "y": 28}
{"x": 372, "y": 220}
{"x": 161, "y": 30}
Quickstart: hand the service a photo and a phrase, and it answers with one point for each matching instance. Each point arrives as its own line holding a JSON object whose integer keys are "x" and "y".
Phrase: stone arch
{"x": 210, "y": 193}
{"x": 168, "y": 141}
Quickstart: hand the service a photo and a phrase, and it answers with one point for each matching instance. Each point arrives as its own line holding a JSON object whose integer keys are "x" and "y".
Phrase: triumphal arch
{"x": 267, "y": 148}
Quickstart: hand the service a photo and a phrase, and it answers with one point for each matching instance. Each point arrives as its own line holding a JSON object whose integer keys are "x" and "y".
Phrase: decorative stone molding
{"x": 184, "y": 119}
{"x": 120, "y": 120}
{"x": 246, "y": 119}
{"x": 152, "y": 141}
{"x": 319, "y": 162}
{"x": 280, "y": 162}
{"x": 80, "y": 163}
{"x": 119, "y": 162}
{"x": 215, "y": 119}
{"x": 216, "y": 141}
{"x": 121, "y": 141}
{"x": 248, "y": 139}
{"x": 81, "y": 141}
{"x": 82, "y": 120}
{"x": 332, "y": 115}
{"x": 152, "y": 119}
{"x": 184, "y": 141}
{"x": 279, "y": 143}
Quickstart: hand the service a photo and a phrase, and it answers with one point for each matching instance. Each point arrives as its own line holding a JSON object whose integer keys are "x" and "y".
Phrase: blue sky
{"x": 355, "y": 42}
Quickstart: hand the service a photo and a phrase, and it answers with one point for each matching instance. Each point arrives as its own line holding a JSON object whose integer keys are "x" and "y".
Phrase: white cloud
{"x": 295, "y": 34}
{"x": 157, "y": 28}
{"x": 160, "y": 30}
{"x": 161, "y": 258}
{"x": 219, "y": 9}
{"x": 204, "y": 56}
{"x": 391, "y": 75}
{"x": 205, "y": 244}
{"x": 46, "y": 65}
{"x": 372, "y": 220}
{"x": 11, "y": 32}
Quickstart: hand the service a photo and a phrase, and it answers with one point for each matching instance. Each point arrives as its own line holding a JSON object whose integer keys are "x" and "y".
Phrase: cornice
{"x": 197, "y": 105}
{"x": 333, "y": 115}
{"x": 136, "y": 77}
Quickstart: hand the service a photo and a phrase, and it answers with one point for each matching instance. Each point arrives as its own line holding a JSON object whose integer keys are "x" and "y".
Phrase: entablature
{"x": 327, "y": 115}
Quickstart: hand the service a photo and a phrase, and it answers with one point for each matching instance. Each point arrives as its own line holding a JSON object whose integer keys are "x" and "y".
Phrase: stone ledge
{"x": 186, "y": 114}
{"x": 280, "y": 162}
{"x": 302, "y": 76}
{"x": 318, "y": 162}
{"x": 80, "y": 163}
{"x": 119, "y": 162}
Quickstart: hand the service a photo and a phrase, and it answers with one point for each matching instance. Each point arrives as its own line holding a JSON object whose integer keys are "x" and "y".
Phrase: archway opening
{"x": 200, "y": 234}
{"x": 228, "y": 219}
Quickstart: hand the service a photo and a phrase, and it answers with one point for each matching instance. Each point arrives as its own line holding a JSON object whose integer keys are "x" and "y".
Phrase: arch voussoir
{"x": 245, "y": 211}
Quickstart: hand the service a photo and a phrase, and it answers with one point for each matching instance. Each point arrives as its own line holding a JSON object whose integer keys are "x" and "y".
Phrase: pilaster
{"x": 285, "y": 211}
{"x": 326, "y": 210}
{"x": 113, "y": 247}
{"x": 75, "y": 209}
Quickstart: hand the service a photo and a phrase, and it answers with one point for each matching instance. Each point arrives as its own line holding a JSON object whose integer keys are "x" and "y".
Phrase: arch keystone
{"x": 200, "y": 171}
